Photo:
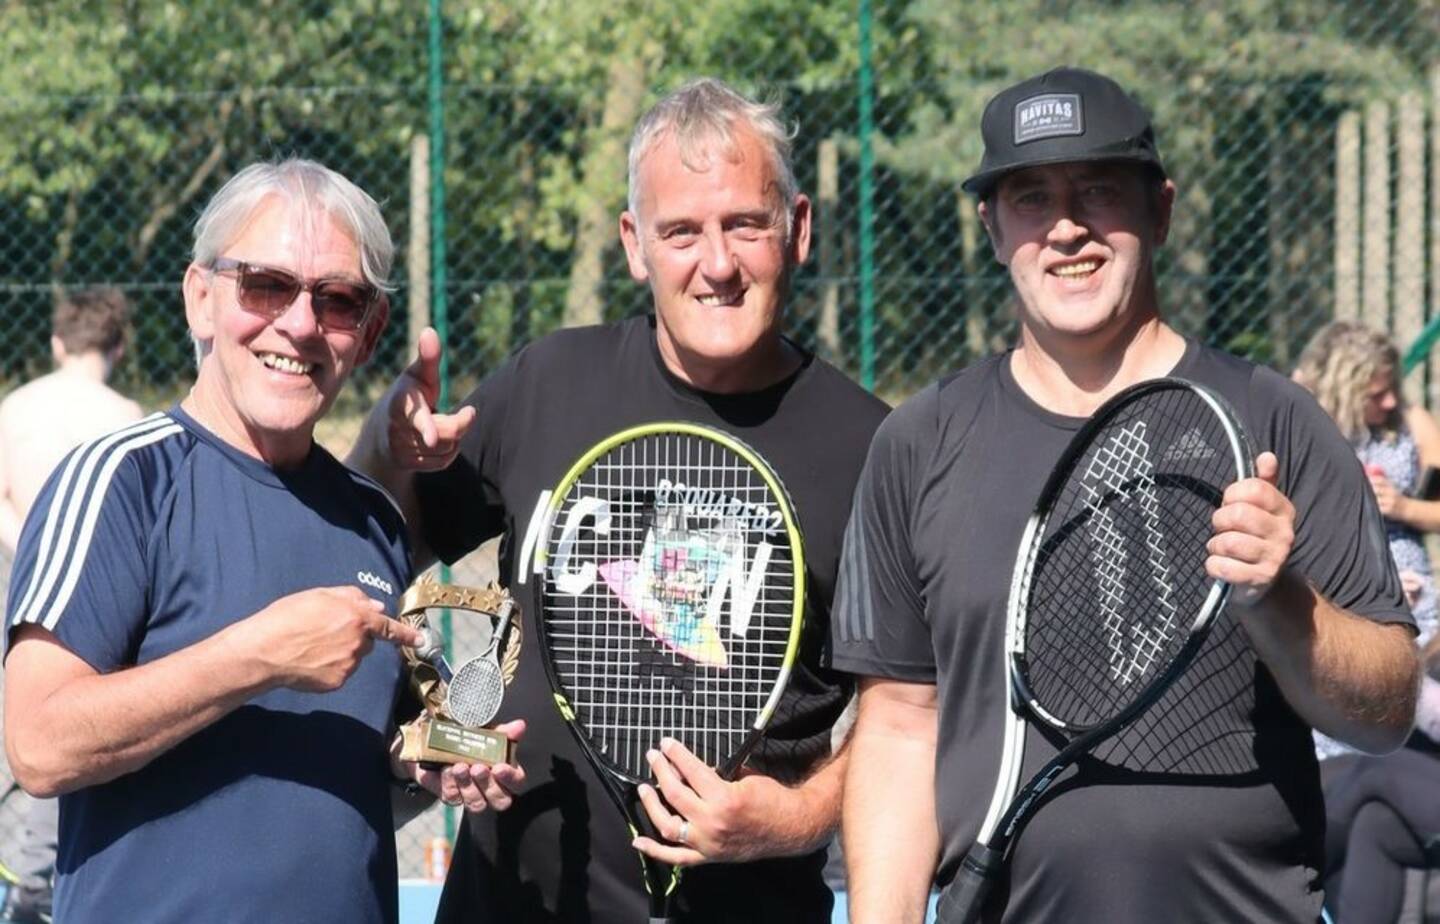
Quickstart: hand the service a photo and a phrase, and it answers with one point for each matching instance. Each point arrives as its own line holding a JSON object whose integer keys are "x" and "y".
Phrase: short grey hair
{"x": 700, "y": 114}
{"x": 306, "y": 182}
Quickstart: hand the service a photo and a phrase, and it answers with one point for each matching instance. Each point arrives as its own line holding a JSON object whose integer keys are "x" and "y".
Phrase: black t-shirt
{"x": 562, "y": 851}
{"x": 1209, "y": 807}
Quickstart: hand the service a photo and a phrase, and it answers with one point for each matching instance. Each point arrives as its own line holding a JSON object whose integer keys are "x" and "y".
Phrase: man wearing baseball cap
{"x": 1207, "y": 808}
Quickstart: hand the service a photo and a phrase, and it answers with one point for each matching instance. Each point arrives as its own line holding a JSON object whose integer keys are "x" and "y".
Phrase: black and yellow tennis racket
{"x": 673, "y": 593}
{"x": 1110, "y": 600}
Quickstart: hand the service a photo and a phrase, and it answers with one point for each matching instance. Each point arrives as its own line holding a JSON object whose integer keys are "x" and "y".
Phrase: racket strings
{"x": 1202, "y": 724}
{"x": 475, "y": 691}
{"x": 684, "y": 628}
{"x": 1118, "y": 574}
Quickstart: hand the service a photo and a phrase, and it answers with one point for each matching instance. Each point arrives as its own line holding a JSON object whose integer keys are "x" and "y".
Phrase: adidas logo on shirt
{"x": 370, "y": 580}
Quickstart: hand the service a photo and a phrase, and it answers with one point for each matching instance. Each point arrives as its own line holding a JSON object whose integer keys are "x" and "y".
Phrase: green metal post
{"x": 867, "y": 205}
{"x": 438, "y": 311}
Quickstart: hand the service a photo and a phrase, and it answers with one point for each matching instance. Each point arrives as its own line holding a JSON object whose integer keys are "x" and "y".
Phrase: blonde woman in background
{"x": 1381, "y": 810}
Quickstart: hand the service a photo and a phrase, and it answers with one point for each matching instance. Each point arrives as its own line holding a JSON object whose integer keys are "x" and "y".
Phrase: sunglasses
{"x": 339, "y": 305}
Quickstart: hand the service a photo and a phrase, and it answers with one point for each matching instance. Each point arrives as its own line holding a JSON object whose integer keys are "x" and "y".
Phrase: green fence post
{"x": 437, "y": 270}
{"x": 867, "y": 207}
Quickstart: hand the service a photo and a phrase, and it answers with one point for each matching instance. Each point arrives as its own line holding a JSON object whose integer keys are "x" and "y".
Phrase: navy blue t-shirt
{"x": 149, "y": 540}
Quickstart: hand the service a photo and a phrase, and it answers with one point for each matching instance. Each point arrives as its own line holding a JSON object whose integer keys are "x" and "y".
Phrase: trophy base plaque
{"x": 435, "y": 741}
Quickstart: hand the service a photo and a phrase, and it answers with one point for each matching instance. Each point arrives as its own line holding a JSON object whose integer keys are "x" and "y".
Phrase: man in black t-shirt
{"x": 715, "y": 226}
{"x": 1208, "y": 808}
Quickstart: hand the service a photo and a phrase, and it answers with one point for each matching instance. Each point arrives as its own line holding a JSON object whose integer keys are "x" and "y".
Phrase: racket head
{"x": 1110, "y": 597}
{"x": 672, "y": 597}
{"x": 475, "y": 692}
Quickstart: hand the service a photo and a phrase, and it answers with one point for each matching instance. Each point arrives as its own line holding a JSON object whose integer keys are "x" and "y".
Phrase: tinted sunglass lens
{"x": 340, "y": 305}
{"x": 268, "y": 291}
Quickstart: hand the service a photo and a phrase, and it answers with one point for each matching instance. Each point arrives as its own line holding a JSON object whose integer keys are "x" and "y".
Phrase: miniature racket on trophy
{"x": 459, "y": 703}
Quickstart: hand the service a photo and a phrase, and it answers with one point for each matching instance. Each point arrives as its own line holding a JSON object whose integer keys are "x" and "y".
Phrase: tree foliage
{"x": 122, "y": 118}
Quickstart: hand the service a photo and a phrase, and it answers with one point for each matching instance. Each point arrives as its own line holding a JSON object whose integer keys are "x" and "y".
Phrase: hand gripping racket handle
{"x": 962, "y": 900}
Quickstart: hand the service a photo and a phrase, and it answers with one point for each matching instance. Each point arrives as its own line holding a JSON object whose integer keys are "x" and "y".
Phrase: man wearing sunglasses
{"x": 199, "y": 661}
{"x": 716, "y": 226}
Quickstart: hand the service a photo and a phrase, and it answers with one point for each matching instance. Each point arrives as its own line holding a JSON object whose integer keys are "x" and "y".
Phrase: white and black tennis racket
{"x": 674, "y": 586}
{"x": 1109, "y": 601}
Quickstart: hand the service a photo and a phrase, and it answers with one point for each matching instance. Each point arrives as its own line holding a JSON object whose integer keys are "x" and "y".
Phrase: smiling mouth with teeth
{"x": 286, "y": 364}
{"x": 1072, "y": 270}
{"x": 718, "y": 299}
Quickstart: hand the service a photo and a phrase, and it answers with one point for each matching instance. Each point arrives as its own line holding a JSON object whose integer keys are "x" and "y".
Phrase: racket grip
{"x": 962, "y": 900}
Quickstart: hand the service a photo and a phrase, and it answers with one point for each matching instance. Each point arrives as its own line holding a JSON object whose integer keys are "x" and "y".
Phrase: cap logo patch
{"x": 1047, "y": 116}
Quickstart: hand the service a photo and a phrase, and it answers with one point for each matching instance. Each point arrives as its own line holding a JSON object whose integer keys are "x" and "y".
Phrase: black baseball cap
{"x": 1068, "y": 115}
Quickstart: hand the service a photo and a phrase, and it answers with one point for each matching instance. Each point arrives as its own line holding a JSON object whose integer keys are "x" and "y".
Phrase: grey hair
{"x": 308, "y": 183}
{"x": 703, "y": 112}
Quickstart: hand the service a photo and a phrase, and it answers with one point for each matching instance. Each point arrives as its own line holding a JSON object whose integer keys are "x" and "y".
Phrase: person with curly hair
{"x": 1381, "y": 810}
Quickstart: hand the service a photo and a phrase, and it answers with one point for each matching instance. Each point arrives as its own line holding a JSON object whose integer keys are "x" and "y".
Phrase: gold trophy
{"x": 459, "y": 704}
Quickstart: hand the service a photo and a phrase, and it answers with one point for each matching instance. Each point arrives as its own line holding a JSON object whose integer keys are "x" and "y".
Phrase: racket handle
{"x": 962, "y": 900}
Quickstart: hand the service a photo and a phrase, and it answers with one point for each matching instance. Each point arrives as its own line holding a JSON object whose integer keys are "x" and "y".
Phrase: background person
{"x": 1353, "y": 372}
{"x": 1381, "y": 810}
{"x": 47, "y": 417}
{"x": 715, "y": 227}
{"x": 39, "y": 422}
{"x": 1208, "y": 806}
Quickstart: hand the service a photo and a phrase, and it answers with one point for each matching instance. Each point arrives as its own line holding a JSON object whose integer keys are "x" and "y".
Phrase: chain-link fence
{"x": 1304, "y": 136}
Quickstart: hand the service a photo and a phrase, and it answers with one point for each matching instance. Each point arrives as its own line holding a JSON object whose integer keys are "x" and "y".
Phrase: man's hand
{"x": 1346, "y": 675}
{"x": 721, "y": 821}
{"x": 315, "y": 639}
{"x": 475, "y": 786}
{"x": 417, "y": 437}
{"x": 1253, "y": 532}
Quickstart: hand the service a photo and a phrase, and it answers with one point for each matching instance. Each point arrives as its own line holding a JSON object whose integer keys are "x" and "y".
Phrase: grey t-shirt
{"x": 1209, "y": 807}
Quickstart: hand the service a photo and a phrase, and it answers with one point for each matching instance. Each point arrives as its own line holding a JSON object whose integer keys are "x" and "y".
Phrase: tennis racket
{"x": 1109, "y": 601}
{"x": 673, "y": 592}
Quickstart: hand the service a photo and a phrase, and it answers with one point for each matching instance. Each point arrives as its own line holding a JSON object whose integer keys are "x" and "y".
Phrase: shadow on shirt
{"x": 255, "y": 763}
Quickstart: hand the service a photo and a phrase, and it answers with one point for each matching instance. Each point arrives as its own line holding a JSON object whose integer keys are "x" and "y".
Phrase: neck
{"x": 287, "y": 450}
{"x": 1073, "y": 377}
{"x": 93, "y": 366}
{"x": 770, "y": 362}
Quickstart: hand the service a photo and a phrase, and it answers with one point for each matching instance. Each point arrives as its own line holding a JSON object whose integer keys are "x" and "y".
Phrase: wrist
{"x": 808, "y": 814}
{"x": 1283, "y": 613}
{"x": 239, "y": 650}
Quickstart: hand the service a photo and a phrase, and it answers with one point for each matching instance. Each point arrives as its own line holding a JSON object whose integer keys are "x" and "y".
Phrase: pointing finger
{"x": 460, "y": 421}
{"x": 394, "y": 631}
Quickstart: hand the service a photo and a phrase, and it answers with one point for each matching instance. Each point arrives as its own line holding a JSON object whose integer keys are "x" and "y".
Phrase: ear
{"x": 987, "y": 218}
{"x": 634, "y": 250}
{"x": 57, "y": 349}
{"x": 374, "y": 327}
{"x": 1164, "y": 206}
{"x": 800, "y": 222}
{"x": 199, "y": 291}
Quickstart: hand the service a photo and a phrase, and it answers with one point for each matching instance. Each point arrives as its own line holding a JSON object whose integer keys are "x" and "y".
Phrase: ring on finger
{"x": 683, "y": 837}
